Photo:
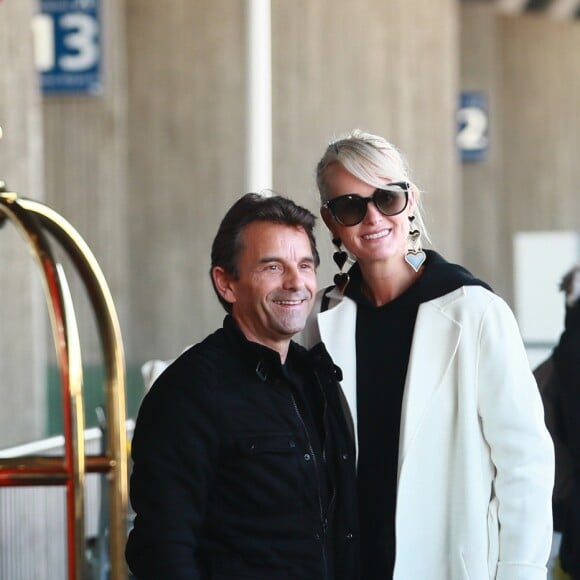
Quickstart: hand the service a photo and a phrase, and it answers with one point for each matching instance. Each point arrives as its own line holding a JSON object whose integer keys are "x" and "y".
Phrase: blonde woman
{"x": 455, "y": 465}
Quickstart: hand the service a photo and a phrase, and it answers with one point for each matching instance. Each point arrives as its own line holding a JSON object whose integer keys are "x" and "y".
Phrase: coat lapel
{"x": 429, "y": 363}
{"x": 338, "y": 332}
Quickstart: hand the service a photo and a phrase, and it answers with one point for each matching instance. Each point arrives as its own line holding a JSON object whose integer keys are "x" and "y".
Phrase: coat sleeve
{"x": 174, "y": 451}
{"x": 521, "y": 449}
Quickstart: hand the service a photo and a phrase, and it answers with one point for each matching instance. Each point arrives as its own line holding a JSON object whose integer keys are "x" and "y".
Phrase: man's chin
{"x": 290, "y": 330}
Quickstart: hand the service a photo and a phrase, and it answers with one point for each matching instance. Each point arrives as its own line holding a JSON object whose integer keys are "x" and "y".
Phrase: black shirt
{"x": 383, "y": 344}
{"x": 311, "y": 405}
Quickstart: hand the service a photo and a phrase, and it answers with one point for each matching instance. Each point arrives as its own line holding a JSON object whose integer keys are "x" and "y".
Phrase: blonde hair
{"x": 371, "y": 159}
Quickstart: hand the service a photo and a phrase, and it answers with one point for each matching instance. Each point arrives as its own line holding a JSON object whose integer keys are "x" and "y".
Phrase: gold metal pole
{"x": 27, "y": 214}
{"x": 114, "y": 358}
{"x": 67, "y": 344}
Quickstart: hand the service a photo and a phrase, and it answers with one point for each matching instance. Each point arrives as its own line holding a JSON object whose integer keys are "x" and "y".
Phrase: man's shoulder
{"x": 215, "y": 351}
{"x": 153, "y": 369}
{"x": 195, "y": 378}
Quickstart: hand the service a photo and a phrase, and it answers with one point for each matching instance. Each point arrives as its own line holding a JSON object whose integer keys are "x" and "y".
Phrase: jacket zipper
{"x": 324, "y": 423}
{"x": 323, "y": 520}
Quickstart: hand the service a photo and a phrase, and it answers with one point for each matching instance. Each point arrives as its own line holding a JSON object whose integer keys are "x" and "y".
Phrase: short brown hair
{"x": 250, "y": 208}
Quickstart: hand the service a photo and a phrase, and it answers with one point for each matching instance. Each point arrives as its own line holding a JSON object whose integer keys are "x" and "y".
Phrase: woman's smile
{"x": 377, "y": 235}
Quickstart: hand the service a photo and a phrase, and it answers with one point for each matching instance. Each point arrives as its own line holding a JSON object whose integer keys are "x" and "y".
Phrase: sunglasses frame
{"x": 404, "y": 185}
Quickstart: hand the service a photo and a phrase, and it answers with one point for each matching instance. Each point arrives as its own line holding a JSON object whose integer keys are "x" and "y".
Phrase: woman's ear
{"x": 413, "y": 197}
{"x": 223, "y": 283}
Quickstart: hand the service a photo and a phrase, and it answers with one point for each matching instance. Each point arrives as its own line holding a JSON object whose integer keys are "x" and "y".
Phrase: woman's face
{"x": 377, "y": 237}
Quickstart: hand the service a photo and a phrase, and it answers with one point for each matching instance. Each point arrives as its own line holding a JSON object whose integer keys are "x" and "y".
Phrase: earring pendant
{"x": 415, "y": 258}
{"x": 341, "y": 279}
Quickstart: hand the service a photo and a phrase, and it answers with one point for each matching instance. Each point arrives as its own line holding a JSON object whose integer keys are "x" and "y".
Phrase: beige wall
{"x": 483, "y": 232}
{"x": 388, "y": 67}
{"x": 146, "y": 171}
{"x": 187, "y": 136}
{"x": 528, "y": 65}
{"x": 22, "y": 321}
{"x": 85, "y": 143}
{"x": 540, "y": 188}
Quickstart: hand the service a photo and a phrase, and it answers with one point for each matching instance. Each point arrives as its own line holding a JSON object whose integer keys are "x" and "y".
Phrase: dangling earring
{"x": 340, "y": 256}
{"x": 415, "y": 255}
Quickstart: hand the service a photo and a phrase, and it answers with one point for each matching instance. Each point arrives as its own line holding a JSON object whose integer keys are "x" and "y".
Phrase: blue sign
{"x": 473, "y": 126}
{"x": 68, "y": 35}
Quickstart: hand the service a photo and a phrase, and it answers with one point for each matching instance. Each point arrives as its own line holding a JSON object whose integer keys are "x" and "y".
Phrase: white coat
{"x": 476, "y": 463}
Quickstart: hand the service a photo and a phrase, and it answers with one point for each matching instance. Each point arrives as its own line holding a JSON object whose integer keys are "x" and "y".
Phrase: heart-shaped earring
{"x": 340, "y": 257}
{"x": 415, "y": 256}
{"x": 341, "y": 280}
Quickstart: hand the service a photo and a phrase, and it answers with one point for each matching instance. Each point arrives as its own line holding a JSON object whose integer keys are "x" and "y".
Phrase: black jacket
{"x": 566, "y": 358}
{"x": 224, "y": 482}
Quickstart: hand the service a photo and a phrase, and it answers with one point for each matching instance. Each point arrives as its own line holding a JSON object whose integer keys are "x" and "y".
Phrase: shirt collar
{"x": 265, "y": 361}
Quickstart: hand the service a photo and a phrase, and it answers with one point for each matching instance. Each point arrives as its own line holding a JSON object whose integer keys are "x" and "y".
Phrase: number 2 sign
{"x": 67, "y": 37}
{"x": 473, "y": 126}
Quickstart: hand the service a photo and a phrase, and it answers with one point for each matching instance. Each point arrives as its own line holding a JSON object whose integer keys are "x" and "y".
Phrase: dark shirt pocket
{"x": 267, "y": 478}
{"x": 267, "y": 443}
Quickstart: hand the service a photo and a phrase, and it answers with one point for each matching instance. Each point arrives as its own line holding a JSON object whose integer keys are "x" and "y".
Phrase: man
{"x": 566, "y": 430}
{"x": 243, "y": 457}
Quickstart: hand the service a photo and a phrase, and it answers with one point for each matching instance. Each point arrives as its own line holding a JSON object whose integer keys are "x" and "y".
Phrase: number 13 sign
{"x": 67, "y": 37}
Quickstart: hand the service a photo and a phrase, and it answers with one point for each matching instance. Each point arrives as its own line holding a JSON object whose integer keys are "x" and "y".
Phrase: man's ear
{"x": 223, "y": 283}
{"x": 329, "y": 221}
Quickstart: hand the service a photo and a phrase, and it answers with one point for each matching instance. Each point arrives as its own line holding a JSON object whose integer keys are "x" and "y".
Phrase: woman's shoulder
{"x": 474, "y": 300}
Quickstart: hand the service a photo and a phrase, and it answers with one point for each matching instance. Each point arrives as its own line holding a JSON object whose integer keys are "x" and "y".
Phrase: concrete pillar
{"x": 85, "y": 138}
{"x": 484, "y": 238}
{"x": 22, "y": 306}
{"x": 259, "y": 95}
{"x": 187, "y": 161}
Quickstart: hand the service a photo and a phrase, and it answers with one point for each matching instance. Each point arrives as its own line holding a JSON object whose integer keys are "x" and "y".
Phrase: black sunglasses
{"x": 350, "y": 209}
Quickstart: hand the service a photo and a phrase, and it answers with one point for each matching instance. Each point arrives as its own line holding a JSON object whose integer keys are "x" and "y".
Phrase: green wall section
{"x": 93, "y": 394}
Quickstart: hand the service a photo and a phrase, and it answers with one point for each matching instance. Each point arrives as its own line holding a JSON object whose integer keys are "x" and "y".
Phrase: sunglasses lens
{"x": 391, "y": 201}
{"x": 349, "y": 210}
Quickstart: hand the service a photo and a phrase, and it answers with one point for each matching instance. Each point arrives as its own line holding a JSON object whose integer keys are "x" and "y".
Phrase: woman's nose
{"x": 373, "y": 214}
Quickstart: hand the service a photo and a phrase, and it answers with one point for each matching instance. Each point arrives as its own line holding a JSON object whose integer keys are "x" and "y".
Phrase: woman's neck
{"x": 384, "y": 281}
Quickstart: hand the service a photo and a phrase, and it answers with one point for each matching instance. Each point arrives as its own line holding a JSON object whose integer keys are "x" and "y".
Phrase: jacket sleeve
{"x": 521, "y": 449}
{"x": 174, "y": 450}
{"x": 567, "y": 363}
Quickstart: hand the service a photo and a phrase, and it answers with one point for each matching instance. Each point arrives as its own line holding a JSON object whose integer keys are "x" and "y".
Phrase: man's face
{"x": 274, "y": 293}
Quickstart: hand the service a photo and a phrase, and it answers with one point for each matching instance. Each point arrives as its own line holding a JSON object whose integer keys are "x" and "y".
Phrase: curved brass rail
{"x": 32, "y": 218}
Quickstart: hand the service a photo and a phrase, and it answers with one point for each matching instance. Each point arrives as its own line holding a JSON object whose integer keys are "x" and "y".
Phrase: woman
{"x": 455, "y": 466}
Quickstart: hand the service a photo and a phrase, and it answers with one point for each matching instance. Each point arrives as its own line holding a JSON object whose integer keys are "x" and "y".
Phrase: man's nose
{"x": 292, "y": 278}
